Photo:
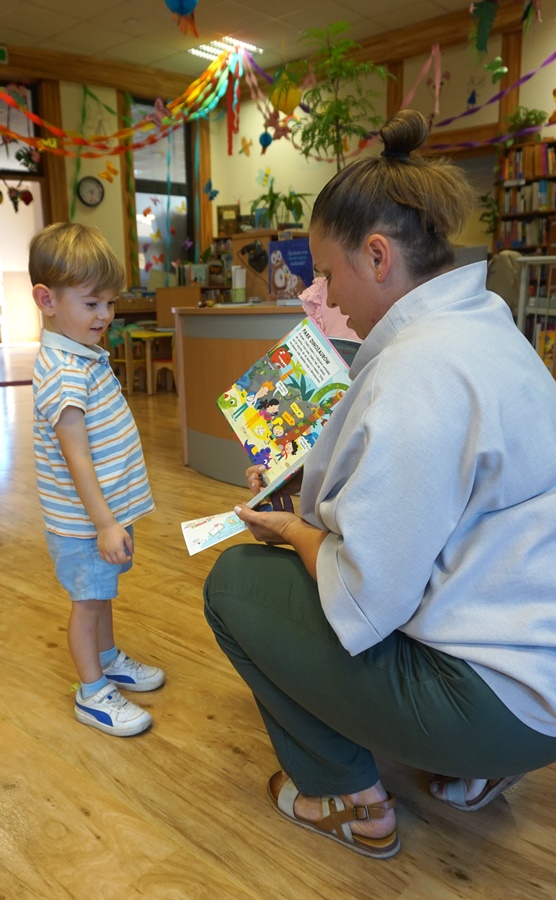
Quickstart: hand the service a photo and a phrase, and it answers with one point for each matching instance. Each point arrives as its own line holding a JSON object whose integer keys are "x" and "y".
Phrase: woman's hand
{"x": 256, "y": 482}
{"x": 271, "y": 527}
{"x": 284, "y": 527}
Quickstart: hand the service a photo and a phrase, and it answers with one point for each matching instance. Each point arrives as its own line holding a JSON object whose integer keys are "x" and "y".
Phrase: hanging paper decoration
{"x": 497, "y": 68}
{"x": 210, "y": 191}
{"x": 245, "y": 146}
{"x": 265, "y": 140}
{"x": 284, "y": 95}
{"x": 30, "y": 157}
{"x": 109, "y": 172}
{"x": 15, "y": 195}
{"x": 484, "y": 13}
{"x": 161, "y": 114}
{"x": 183, "y": 14}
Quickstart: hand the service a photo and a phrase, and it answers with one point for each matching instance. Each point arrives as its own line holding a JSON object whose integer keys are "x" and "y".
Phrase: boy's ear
{"x": 43, "y": 298}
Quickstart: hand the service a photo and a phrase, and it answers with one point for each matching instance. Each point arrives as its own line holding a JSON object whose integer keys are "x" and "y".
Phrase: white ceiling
{"x": 143, "y": 32}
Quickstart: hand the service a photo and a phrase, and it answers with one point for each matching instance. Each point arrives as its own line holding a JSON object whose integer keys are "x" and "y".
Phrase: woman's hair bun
{"x": 403, "y": 132}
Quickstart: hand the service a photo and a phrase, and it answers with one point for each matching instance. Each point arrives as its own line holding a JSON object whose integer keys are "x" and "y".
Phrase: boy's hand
{"x": 114, "y": 544}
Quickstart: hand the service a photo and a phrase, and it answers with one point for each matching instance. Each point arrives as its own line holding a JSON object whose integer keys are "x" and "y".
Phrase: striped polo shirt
{"x": 70, "y": 374}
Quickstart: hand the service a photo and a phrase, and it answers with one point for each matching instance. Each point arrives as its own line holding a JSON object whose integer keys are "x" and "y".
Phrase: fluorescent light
{"x": 215, "y": 48}
{"x": 202, "y": 53}
{"x": 243, "y": 45}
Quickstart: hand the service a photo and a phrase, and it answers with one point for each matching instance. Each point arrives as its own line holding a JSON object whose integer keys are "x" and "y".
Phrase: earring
{"x": 378, "y": 275}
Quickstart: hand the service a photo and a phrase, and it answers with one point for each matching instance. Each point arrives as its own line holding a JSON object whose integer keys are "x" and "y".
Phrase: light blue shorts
{"x": 80, "y": 569}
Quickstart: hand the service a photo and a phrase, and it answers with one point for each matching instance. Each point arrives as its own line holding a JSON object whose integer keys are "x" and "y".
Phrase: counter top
{"x": 237, "y": 309}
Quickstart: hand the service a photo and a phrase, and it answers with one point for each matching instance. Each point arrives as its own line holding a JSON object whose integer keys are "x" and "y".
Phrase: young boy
{"x": 91, "y": 473}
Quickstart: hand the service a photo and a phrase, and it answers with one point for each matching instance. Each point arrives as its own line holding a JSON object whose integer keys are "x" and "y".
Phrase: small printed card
{"x": 200, "y": 534}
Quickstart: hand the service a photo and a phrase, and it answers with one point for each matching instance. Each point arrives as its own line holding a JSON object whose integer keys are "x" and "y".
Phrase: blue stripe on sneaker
{"x": 96, "y": 713}
{"x": 121, "y": 679}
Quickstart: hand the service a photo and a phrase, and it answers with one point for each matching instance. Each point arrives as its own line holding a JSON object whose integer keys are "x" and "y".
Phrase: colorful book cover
{"x": 279, "y": 407}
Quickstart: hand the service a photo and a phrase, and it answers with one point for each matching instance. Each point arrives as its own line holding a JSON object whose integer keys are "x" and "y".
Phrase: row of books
{"x": 516, "y": 233}
{"x": 537, "y": 195}
{"x": 534, "y": 160}
{"x": 215, "y": 273}
{"x": 545, "y": 340}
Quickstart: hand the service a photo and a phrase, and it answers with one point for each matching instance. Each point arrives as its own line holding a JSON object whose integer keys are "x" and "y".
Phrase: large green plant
{"x": 339, "y": 106}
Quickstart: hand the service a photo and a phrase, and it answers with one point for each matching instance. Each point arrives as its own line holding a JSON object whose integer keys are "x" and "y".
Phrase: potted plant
{"x": 525, "y": 117}
{"x": 338, "y": 106}
{"x": 277, "y": 206}
{"x": 490, "y": 215}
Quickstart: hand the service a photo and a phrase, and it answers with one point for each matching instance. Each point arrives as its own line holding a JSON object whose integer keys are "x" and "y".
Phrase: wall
{"x": 20, "y": 319}
{"x": 237, "y": 176}
{"x": 109, "y": 215}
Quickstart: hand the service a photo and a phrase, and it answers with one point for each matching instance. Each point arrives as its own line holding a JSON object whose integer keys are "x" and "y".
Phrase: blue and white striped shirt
{"x": 70, "y": 374}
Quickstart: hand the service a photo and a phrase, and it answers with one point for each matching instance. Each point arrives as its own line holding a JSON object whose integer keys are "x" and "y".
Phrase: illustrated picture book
{"x": 277, "y": 410}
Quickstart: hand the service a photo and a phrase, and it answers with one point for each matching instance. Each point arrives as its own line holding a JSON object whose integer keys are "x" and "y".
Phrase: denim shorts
{"x": 80, "y": 569}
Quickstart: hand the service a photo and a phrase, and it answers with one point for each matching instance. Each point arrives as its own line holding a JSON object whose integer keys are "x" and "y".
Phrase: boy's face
{"x": 80, "y": 313}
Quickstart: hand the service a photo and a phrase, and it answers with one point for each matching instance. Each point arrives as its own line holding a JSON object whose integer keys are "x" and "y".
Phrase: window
{"x": 15, "y": 155}
{"x": 162, "y": 197}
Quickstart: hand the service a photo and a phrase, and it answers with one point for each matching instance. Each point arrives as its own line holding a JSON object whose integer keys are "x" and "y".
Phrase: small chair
{"x": 163, "y": 363}
{"x": 133, "y": 362}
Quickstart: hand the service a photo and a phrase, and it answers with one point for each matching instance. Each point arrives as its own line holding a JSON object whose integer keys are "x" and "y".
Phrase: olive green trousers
{"x": 327, "y": 712}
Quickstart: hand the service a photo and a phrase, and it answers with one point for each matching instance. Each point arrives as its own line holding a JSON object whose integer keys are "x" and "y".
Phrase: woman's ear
{"x": 380, "y": 255}
{"x": 43, "y": 298}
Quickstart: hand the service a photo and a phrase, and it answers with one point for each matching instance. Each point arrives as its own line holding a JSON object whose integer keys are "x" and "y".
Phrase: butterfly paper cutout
{"x": 245, "y": 146}
{"x": 182, "y": 208}
{"x": 160, "y": 113}
{"x": 155, "y": 201}
{"x": 187, "y": 244}
{"x": 210, "y": 191}
{"x": 146, "y": 247}
{"x": 148, "y": 266}
{"x": 147, "y": 211}
{"x": 109, "y": 172}
{"x": 159, "y": 259}
{"x": 157, "y": 236}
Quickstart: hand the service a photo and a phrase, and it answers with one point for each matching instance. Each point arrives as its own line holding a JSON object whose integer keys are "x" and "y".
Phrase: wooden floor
{"x": 180, "y": 812}
{"x": 16, "y": 363}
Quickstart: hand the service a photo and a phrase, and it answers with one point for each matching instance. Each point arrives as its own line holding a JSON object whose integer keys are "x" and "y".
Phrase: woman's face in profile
{"x": 351, "y": 282}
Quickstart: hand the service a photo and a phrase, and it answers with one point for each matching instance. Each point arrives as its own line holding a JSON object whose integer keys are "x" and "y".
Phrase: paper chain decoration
{"x": 223, "y": 76}
{"x": 197, "y": 101}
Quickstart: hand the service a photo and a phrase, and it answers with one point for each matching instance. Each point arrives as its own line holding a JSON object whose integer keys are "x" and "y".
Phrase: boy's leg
{"x": 325, "y": 710}
{"x": 83, "y": 638}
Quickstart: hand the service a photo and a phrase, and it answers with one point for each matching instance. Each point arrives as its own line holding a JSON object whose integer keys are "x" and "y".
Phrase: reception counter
{"x": 215, "y": 346}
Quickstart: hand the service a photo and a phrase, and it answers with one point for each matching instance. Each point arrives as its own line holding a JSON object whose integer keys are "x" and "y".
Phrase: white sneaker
{"x": 130, "y": 675}
{"x": 108, "y": 711}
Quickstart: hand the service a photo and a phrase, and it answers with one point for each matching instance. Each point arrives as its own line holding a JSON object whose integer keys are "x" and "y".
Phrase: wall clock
{"x": 90, "y": 191}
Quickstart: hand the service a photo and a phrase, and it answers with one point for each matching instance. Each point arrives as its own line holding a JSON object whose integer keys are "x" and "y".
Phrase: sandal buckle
{"x": 361, "y": 813}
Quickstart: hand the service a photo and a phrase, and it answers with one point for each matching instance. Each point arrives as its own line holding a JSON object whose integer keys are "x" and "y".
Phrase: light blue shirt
{"x": 70, "y": 374}
{"x": 436, "y": 477}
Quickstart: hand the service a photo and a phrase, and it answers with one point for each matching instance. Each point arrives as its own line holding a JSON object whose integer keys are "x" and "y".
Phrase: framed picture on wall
{"x": 227, "y": 219}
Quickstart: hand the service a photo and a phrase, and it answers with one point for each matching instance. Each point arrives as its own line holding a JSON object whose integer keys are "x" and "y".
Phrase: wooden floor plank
{"x": 180, "y": 811}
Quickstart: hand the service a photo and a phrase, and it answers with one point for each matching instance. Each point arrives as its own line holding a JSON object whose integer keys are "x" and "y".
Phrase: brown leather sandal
{"x": 336, "y": 817}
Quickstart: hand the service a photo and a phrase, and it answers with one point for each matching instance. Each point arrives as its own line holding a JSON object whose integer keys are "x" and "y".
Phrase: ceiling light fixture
{"x": 215, "y": 48}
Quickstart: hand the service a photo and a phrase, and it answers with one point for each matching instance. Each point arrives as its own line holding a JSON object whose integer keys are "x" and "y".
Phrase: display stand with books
{"x": 277, "y": 409}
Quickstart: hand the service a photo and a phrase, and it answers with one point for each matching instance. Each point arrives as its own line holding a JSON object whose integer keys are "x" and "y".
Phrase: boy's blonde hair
{"x": 66, "y": 255}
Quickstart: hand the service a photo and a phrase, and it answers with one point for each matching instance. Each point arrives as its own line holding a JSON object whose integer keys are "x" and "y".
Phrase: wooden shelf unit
{"x": 527, "y": 196}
